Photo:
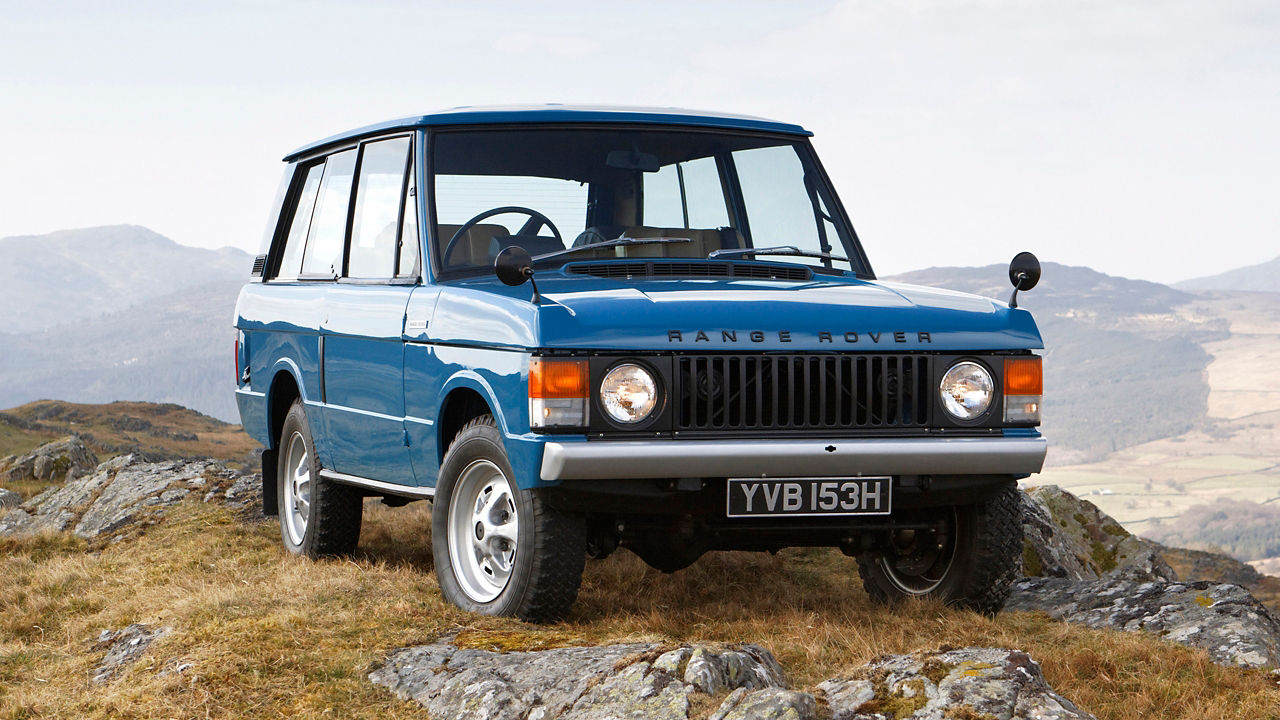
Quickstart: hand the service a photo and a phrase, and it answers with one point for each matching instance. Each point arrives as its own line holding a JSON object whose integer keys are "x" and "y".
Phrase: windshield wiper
{"x": 617, "y": 242}
{"x": 785, "y": 250}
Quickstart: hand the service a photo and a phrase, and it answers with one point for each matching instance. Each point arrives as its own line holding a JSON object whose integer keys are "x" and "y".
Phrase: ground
{"x": 266, "y": 634}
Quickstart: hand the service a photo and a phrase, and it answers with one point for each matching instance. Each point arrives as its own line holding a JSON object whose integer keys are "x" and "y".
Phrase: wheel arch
{"x": 466, "y": 396}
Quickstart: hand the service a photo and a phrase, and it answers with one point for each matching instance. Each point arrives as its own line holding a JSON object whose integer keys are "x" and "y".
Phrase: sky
{"x": 1140, "y": 138}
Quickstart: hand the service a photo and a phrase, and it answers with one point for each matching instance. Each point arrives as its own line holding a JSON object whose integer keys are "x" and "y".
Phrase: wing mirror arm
{"x": 513, "y": 266}
{"x": 1024, "y": 273}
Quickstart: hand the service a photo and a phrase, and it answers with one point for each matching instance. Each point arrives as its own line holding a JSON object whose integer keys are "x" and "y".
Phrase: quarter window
{"x": 323, "y": 256}
{"x": 409, "y": 242}
{"x": 376, "y": 222}
{"x": 291, "y": 261}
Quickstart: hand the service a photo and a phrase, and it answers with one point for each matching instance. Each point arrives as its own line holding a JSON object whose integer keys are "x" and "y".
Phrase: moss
{"x": 936, "y": 670}
{"x": 1103, "y": 559}
{"x": 896, "y": 704}
{"x": 1080, "y": 518}
{"x": 1063, "y": 523}
{"x": 1203, "y": 600}
{"x": 1116, "y": 530}
{"x": 1031, "y": 565}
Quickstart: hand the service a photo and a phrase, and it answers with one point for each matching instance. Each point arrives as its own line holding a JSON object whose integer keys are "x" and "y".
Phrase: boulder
{"x": 9, "y": 498}
{"x": 640, "y": 680}
{"x": 949, "y": 683}
{"x": 1223, "y": 619}
{"x": 53, "y": 461}
{"x": 1067, "y": 537}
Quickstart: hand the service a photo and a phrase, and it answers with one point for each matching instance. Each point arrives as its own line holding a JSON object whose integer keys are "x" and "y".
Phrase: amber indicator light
{"x": 1023, "y": 376}
{"x": 554, "y": 378}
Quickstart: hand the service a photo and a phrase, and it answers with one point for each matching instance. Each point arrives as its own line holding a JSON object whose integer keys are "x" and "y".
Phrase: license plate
{"x": 809, "y": 497}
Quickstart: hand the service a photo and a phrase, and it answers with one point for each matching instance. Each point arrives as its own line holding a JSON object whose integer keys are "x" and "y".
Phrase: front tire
{"x": 971, "y": 562}
{"x": 318, "y": 517}
{"x": 500, "y": 550}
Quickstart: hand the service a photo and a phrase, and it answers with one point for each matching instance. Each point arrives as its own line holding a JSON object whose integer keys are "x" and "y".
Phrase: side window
{"x": 687, "y": 194}
{"x": 409, "y": 241}
{"x": 291, "y": 261}
{"x": 323, "y": 255}
{"x": 375, "y": 225}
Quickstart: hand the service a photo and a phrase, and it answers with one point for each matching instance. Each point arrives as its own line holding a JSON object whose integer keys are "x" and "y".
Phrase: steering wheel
{"x": 536, "y": 221}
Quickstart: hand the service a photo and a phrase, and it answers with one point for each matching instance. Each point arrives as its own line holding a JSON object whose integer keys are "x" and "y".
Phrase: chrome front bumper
{"x": 604, "y": 459}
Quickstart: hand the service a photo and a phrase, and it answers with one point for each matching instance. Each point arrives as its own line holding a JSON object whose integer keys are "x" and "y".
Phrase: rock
{"x": 126, "y": 646}
{"x": 767, "y": 704}
{"x": 124, "y": 490}
{"x": 582, "y": 683}
{"x": 53, "y": 461}
{"x": 971, "y": 682}
{"x": 9, "y": 498}
{"x": 1067, "y": 537}
{"x": 1223, "y": 619}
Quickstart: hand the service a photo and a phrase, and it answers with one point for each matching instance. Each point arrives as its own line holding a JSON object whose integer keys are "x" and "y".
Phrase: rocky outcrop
{"x": 949, "y": 683}
{"x": 1095, "y": 573}
{"x": 9, "y": 498}
{"x": 124, "y": 647}
{"x": 1223, "y": 619}
{"x": 1066, "y": 537}
{"x": 124, "y": 491}
{"x": 55, "y": 461}
{"x": 645, "y": 680}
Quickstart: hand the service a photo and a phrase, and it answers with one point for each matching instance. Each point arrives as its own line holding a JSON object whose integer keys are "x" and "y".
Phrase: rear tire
{"x": 500, "y": 550}
{"x": 972, "y": 565}
{"x": 318, "y": 517}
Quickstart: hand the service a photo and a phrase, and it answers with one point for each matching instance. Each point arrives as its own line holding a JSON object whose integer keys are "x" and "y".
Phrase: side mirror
{"x": 1024, "y": 273}
{"x": 513, "y": 266}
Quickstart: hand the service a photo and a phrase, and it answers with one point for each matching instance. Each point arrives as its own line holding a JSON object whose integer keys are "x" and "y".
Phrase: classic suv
{"x": 575, "y": 329}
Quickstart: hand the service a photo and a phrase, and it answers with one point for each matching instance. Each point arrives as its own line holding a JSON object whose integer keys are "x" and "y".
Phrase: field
{"x": 270, "y": 635}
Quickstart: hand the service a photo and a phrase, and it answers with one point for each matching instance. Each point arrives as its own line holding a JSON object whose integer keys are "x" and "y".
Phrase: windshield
{"x": 549, "y": 190}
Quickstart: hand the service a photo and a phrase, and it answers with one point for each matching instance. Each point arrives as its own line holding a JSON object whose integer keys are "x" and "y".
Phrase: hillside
{"x": 119, "y": 313}
{"x": 193, "y": 609}
{"x": 155, "y": 431}
{"x": 1263, "y": 277}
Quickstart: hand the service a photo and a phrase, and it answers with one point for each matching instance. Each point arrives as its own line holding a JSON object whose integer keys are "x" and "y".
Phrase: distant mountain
{"x": 119, "y": 313}
{"x": 1264, "y": 277}
{"x": 1122, "y": 365}
{"x": 71, "y": 276}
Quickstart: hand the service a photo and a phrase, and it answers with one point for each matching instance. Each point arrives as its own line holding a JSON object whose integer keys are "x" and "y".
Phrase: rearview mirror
{"x": 513, "y": 266}
{"x": 632, "y": 160}
{"x": 1024, "y": 273}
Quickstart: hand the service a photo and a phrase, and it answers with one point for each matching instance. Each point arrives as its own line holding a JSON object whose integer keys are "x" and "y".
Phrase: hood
{"x": 744, "y": 315}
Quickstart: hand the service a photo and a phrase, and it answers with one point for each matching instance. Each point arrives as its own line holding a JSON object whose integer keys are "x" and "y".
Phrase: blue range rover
{"x": 574, "y": 329}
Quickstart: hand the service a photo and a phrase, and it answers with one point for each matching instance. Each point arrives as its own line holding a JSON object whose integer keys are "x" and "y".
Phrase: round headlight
{"x": 628, "y": 393}
{"x": 966, "y": 390}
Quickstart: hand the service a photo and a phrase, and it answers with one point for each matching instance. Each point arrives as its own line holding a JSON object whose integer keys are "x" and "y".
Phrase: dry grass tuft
{"x": 269, "y": 635}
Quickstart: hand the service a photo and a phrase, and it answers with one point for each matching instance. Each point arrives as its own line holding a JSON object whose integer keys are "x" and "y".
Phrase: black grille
{"x": 259, "y": 264}
{"x": 801, "y": 392}
{"x": 690, "y": 269}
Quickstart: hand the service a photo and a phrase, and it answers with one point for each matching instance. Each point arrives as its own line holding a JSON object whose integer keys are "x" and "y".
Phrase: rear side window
{"x": 376, "y": 223}
{"x": 686, "y": 195}
{"x": 323, "y": 255}
{"x": 291, "y": 261}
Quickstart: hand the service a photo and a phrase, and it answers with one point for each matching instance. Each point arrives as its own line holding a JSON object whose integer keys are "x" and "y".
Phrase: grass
{"x": 270, "y": 635}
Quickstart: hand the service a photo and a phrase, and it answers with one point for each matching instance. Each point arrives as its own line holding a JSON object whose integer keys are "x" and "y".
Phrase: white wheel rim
{"x": 297, "y": 490}
{"x": 483, "y": 531}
